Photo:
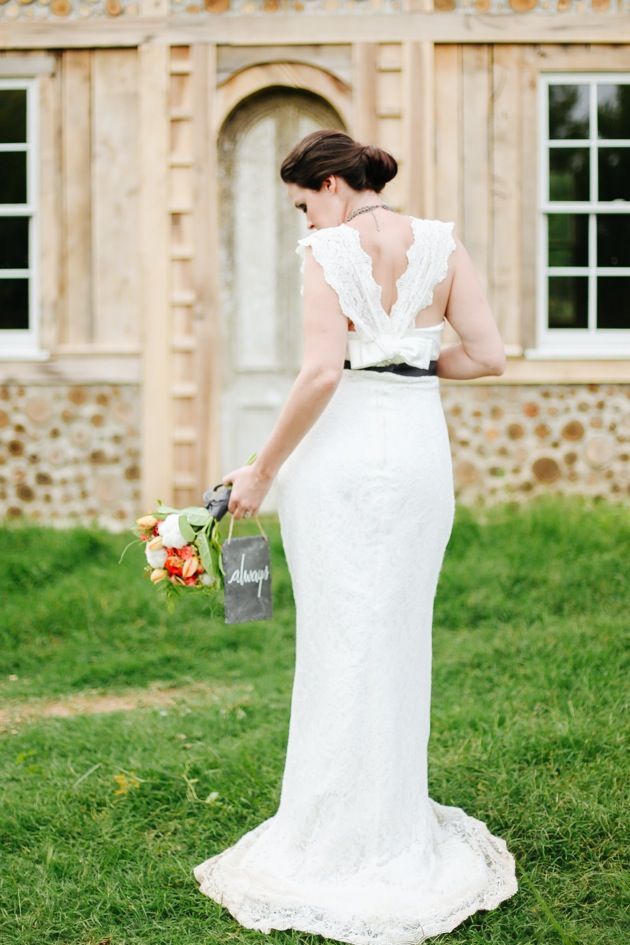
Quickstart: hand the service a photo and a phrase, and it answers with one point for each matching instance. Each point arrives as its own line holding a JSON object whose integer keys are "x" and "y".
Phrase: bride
{"x": 357, "y": 850}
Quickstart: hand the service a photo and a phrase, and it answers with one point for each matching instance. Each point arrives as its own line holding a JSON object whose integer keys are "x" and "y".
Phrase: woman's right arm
{"x": 480, "y": 351}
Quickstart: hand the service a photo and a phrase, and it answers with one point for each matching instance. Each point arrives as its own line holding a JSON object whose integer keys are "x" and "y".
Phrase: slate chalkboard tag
{"x": 247, "y": 576}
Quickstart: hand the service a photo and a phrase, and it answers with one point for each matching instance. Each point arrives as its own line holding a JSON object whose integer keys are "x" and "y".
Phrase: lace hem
{"x": 265, "y": 915}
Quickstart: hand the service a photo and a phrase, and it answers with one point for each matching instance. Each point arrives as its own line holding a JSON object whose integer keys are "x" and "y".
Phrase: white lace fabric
{"x": 386, "y": 905}
{"x": 358, "y": 292}
{"x": 357, "y": 850}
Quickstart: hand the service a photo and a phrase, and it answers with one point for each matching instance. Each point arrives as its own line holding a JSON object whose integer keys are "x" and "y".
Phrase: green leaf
{"x": 198, "y": 516}
{"x": 204, "y": 552}
{"x": 185, "y": 528}
{"x": 220, "y": 563}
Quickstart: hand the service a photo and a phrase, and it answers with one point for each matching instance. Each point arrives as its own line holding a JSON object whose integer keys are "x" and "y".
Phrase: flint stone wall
{"x": 70, "y": 453}
{"x": 510, "y": 442}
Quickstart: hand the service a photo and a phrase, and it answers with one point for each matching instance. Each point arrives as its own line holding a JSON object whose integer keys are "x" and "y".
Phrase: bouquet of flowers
{"x": 183, "y": 546}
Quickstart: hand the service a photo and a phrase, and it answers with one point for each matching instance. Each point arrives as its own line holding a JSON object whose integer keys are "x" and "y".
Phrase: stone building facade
{"x": 149, "y": 290}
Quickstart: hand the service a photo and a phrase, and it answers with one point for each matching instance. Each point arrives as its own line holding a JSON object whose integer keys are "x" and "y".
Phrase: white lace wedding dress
{"x": 357, "y": 850}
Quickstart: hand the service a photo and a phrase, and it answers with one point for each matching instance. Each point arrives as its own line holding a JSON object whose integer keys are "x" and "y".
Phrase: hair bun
{"x": 331, "y": 151}
{"x": 380, "y": 166}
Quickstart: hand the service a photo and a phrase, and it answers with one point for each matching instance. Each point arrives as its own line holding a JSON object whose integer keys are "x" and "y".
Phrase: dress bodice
{"x": 381, "y": 338}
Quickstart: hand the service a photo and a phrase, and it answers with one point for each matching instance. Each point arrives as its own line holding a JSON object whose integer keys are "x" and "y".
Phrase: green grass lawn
{"x": 104, "y": 815}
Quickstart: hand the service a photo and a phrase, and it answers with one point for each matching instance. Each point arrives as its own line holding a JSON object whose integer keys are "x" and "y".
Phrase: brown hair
{"x": 329, "y": 151}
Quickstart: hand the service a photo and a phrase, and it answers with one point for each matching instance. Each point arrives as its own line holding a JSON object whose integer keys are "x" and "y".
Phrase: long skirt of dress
{"x": 357, "y": 851}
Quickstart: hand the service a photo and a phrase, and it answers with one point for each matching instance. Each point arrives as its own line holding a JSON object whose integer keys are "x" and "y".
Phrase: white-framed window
{"x": 19, "y": 296}
{"x": 583, "y": 266}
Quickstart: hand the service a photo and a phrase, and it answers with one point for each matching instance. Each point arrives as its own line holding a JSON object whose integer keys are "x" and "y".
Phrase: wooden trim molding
{"x": 295, "y": 75}
{"x": 257, "y": 30}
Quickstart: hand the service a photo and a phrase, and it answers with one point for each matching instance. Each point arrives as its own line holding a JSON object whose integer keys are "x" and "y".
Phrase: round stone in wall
{"x": 546, "y": 469}
{"x": 38, "y": 409}
{"x": 599, "y": 449}
{"x": 57, "y": 455}
{"x": 106, "y": 487}
{"x": 77, "y": 395}
{"x": 24, "y": 492}
{"x": 466, "y": 473}
{"x": 573, "y": 430}
{"x": 80, "y": 436}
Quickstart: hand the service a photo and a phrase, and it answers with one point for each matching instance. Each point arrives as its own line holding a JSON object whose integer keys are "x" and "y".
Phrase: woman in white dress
{"x": 357, "y": 850}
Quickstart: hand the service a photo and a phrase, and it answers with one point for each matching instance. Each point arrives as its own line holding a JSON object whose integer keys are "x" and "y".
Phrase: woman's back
{"x": 389, "y": 248}
{"x": 386, "y": 280}
{"x": 387, "y": 289}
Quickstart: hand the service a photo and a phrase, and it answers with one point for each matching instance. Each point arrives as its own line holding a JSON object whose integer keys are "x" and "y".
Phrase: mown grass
{"x": 103, "y": 816}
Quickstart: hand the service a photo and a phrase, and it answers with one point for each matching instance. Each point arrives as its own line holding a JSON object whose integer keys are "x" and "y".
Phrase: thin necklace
{"x": 365, "y": 209}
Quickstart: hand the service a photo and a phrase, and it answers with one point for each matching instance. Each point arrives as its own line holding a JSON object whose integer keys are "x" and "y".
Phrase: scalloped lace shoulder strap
{"x": 333, "y": 250}
{"x": 434, "y": 244}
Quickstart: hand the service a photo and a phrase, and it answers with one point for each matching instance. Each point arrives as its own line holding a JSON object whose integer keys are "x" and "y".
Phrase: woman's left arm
{"x": 325, "y": 331}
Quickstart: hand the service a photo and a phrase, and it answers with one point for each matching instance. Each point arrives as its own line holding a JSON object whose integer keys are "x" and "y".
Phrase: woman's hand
{"x": 249, "y": 488}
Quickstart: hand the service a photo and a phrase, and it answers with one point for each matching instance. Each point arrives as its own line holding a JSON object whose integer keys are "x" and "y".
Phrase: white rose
{"x": 156, "y": 558}
{"x": 169, "y": 530}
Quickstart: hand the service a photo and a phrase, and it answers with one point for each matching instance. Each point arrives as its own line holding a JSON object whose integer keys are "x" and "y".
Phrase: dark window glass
{"x": 613, "y": 111}
{"x": 568, "y": 239}
{"x": 568, "y": 174}
{"x": 12, "y": 177}
{"x": 568, "y": 302}
{"x": 613, "y": 239}
{"x": 568, "y": 111}
{"x": 12, "y": 116}
{"x": 14, "y": 242}
{"x": 13, "y": 303}
{"x": 613, "y": 302}
{"x": 614, "y": 173}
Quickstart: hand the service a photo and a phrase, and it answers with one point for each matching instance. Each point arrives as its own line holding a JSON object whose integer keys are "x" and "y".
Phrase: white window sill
{"x": 577, "y": 354}
{"x": 23, "y": 354}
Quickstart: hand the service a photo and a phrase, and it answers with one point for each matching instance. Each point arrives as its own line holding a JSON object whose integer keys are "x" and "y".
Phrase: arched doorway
{"x": 258, "y": 269}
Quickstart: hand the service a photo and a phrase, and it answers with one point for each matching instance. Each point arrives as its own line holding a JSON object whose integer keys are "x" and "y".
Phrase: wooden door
{"x": 259, "y": 270}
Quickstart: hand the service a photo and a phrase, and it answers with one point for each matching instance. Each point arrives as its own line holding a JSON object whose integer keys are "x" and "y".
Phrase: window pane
{"x": 13, "y": 303}
{"x": 613, "y": 240}
{"x": 568, "y": 239}
{"x": 13, "y": 177}
{"x": 568, "y": 174}
{"x": 568, "y": 111}
{"x": 613, "y": 111}
{"x": 568, "y": 302}
{"x": 12, "y": 116}
{"x": 614, "y": 173}
{"x": 14, "y": 242}
{"x": 613, "y": 302}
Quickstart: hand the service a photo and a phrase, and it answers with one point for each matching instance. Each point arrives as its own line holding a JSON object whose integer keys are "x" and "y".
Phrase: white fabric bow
{"x": 416, "y": 350}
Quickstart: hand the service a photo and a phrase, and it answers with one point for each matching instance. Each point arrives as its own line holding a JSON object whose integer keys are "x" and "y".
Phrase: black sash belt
{"x": 402, "y": 368}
